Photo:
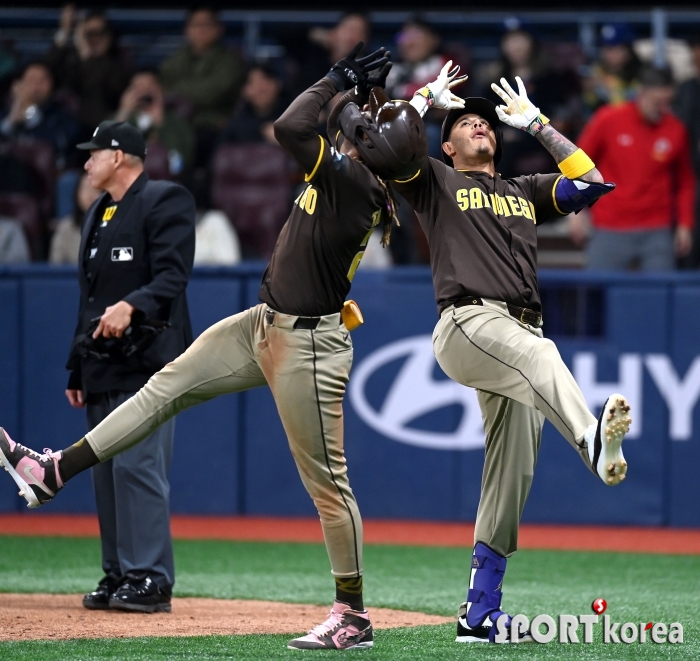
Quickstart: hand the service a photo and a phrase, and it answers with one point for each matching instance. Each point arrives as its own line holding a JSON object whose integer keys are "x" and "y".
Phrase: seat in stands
{"x": 250, "y": 184}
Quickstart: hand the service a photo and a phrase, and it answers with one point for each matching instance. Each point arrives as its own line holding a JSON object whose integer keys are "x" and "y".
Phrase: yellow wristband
{"x": 576, "y": 165}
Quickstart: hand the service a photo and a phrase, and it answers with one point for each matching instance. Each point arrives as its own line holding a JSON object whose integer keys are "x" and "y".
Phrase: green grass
{"x": 637, "y": 587}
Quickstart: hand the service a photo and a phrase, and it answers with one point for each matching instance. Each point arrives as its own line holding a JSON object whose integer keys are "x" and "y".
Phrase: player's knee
{"x": 547, "y": 350}
{"x": 333, "y": 512}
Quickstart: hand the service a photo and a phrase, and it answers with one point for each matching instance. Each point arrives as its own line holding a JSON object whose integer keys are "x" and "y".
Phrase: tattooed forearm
{"x": 560, "y": 148}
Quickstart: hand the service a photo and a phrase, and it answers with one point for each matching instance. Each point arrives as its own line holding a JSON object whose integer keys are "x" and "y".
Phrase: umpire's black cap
{"x": 117, "y": 135}
{"x": 479, "y": 106}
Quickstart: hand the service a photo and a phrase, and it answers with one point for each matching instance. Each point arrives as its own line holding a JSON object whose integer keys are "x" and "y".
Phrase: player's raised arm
{"x": 582, "y": 184}
{"x": 296, "y": 130}
{"x": 438, "y": 94}
{"x": 415, "y": 182}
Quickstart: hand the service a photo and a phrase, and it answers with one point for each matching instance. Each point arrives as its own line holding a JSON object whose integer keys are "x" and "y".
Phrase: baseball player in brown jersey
{"x": 295, "y": 341}
{"x": 483, "y": 247}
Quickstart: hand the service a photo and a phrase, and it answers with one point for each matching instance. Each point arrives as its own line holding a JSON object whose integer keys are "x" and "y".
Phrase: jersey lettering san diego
{"x": 482, "y": 231}
{"x": 501, "y": 206}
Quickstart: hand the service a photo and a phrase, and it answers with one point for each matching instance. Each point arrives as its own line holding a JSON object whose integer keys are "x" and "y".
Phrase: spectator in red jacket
{"x": 644, "y": 149}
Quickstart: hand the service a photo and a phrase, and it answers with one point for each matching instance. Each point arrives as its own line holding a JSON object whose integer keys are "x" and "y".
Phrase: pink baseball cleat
{"x": 343, "y": 630}
{"x": 36, "y": 474}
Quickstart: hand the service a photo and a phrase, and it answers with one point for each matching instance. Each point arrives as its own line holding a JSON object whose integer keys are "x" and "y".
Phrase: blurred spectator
{"x": 340, "y": 40}
{"x": 143, "y": 106}
{"x": 556, "y": 94}
{"x": 322, "y": 46}
{"x": 14, "y": 248}
{"x": 687, "y": 106}
{"x": 420, "y": 62}
{"x": 643, "y": 148}
{"x": 678, "y": 56}
{"x": 65, "y": 243}
{"x": 216, "y": 240}
{"x": 261, "y": 103}
{"x": 613, "y": 79}
{"x": 207, "y": 74}
{"x": 35, "y": 113}
{"x": 87, "y": 64}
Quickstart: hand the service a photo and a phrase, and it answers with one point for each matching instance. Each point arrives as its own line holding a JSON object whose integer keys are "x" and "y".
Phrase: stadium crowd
{"x": 207, "y": 115}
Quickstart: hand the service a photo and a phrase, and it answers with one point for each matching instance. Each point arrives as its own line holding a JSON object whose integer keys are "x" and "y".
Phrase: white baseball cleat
{"x": 605, "y": 440}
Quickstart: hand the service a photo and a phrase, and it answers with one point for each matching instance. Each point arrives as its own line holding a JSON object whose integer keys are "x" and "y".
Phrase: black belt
{"x": 523, "y": 315}
{"x": 306, "y": 323}
{"x": 302, "y": 323}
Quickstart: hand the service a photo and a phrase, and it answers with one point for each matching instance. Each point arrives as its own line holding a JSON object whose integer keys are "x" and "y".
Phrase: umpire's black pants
{"x": 133, "y": 506}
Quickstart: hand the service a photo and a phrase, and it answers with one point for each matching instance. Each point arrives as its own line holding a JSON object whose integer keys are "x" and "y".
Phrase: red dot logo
{"x": 599, "y": 606}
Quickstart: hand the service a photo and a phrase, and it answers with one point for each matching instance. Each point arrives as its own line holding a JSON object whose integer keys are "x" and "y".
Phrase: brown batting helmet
{"x": 478, "y": 106}
{"x": 391, "y": 140}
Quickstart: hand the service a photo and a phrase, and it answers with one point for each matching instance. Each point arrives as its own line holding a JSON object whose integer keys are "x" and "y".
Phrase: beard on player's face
{"x": 484, "y": 148}
{"x": 481, "y": 150}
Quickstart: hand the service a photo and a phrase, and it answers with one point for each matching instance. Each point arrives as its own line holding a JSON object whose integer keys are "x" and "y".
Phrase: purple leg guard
{"x": 485, "y": 588}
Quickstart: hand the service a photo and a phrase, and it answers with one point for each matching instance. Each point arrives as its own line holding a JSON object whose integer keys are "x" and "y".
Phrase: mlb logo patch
{"x": 122, "y": 254}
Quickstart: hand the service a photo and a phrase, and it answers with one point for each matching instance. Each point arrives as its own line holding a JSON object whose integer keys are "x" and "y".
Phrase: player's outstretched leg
{"x": 476, "y": 618}
{"x": 605, "y": 438}
{"x": 36, "y": 475}
{"x": 343, "y": 630}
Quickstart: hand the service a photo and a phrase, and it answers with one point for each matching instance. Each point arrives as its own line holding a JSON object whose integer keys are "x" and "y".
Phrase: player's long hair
{"x": 389, "y": 214}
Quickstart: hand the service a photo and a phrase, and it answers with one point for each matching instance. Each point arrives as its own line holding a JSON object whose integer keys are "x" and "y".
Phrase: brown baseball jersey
{"x": 481, "y": 231}
{"x": 323, "y": 241}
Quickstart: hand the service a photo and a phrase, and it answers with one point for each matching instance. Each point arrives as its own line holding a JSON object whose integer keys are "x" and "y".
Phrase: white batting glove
{"x": 519, "y": 112}
{"x": 437, "y": 94}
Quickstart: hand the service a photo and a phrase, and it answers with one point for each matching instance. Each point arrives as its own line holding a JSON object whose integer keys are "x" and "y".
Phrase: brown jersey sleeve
{"x": 296, "y": 129}
{"x": 422, "y": 189}
{"x": 541, "y": 191}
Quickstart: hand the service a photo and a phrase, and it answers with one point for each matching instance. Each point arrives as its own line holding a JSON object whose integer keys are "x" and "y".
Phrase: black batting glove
{"x": 349, "y": 72}
{"x": 376, "y": 79}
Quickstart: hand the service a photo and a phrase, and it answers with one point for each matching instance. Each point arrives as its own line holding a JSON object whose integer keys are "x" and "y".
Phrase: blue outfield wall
{"x": 414, "y": 439}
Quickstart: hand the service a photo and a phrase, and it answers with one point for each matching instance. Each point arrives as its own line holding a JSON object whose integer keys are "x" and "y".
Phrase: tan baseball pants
{"x": 521, "y": 380}
{"x": 307, "y": 371}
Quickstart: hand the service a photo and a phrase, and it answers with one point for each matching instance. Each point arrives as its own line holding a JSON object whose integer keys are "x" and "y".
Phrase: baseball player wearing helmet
{"x": 481, "y": 230}
{"x": 295, "y": 341}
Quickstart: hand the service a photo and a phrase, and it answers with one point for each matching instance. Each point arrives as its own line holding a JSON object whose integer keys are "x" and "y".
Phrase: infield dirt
{"x": 62, "y": 617}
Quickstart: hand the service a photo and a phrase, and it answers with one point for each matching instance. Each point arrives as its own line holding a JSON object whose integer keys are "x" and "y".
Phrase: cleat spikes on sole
{"x": 615, "y": 422}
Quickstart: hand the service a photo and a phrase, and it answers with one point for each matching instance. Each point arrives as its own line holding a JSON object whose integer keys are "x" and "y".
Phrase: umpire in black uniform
{"x": 136, "y": 256}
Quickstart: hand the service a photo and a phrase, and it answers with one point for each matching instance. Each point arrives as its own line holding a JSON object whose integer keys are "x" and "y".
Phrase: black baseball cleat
{"x": 484, "y": 633}
{"x": 605, "y": 440}
{"x": 98, "y": 599}
{"x": 138, "y": 592}
{"x": 36, "y": 475}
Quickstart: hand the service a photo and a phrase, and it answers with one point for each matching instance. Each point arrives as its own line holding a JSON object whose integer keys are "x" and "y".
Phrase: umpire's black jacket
{"x": 155, "y": 219}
